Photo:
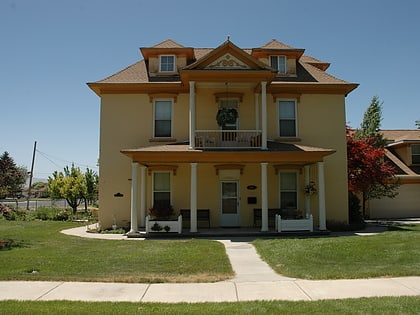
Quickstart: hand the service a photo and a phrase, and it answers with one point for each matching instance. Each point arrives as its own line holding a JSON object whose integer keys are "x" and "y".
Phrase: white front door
{"x": 229, "y": 203}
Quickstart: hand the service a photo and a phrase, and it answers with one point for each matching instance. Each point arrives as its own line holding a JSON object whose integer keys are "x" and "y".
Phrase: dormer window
{"x": 415, "y": 153}
{"x": 278, "y": 63}
{"x": 167, "y": 63}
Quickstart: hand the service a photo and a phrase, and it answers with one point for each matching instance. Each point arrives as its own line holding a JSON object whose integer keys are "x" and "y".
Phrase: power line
{"x": 50, "y": 158}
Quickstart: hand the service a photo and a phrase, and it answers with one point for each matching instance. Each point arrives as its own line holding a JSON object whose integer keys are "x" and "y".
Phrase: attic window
{"x": 278, "y": 63}
{"x": 167, "y": 63}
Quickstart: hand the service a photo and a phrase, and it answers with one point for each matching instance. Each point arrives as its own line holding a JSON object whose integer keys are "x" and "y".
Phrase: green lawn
{"x": 382, "y": 306}
{"x": 391, "y": 253}
{"x": 41, "y": 252}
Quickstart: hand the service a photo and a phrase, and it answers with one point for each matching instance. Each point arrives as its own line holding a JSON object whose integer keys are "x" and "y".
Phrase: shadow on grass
{"x": 8, "y": 244}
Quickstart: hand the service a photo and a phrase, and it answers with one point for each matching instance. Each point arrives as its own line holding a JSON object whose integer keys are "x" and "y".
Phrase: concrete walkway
{"x": 254, "y": 280}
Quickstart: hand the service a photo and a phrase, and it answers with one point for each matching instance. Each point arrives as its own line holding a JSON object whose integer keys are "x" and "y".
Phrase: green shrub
{"x": 54, "y": 214}
{"x": 12, "y": 214}
{"x": 355, "y": 213}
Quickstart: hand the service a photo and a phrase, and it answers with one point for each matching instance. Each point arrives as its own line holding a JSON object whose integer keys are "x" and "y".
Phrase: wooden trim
{"x": 199, "y": 156}
{"x": 239, "y": 167}
{"x": 162, "y": 140}
{"x": 173, "y": 96}
{"x": 277, "y": 96}
{"x": 288, "y": 139}
{"x": 281, "y": 167}
{"x": 229, "y": 95}
{"x": 153, "y": 168}
{"x": 310, "y": 88}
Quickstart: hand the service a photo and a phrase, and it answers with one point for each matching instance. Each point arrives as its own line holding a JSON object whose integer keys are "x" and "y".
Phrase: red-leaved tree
{"x": 369, "y": 173}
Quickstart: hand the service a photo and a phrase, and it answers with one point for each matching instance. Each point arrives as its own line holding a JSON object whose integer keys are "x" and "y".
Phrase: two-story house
{"x": 403, "y": 151}
{"x": 239, "y": 132}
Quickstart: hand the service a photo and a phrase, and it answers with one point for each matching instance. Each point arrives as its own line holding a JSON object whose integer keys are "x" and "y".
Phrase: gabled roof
{"x": 310, "y": 76}
{"x": 275, "y": 44}
{"x": 168, "y": 46}
{"x": 274, "y": 47}
{"x": 169, "y": 43}
{"x": 228, "y": 48}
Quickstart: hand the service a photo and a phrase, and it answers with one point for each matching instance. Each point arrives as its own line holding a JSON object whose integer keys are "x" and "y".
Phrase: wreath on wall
{"x": 226, "y": 116}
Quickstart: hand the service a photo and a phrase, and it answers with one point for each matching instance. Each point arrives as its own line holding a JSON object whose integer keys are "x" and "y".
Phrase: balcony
{"x": 227, "y": 139}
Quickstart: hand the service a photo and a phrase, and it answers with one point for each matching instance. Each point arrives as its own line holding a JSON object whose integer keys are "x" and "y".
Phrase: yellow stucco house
{"x": 236, "y": 137}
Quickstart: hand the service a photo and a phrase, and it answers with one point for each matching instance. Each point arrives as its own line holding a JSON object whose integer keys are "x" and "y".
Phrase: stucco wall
{"x": 127, "y": 122}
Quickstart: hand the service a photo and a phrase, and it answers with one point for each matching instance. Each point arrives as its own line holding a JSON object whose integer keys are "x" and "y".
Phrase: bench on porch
{"x": 285, "y": 214}
{"x": 203, "y": 215}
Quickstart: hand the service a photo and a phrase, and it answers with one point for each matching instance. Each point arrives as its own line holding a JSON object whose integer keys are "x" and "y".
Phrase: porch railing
{"x": 225, "y": 139}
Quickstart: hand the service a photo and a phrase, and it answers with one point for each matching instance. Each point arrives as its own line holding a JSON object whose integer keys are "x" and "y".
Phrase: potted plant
{"x": 226, "y": 116}
{"x": 161, "y": 219}
{"x": 161, "y": 211}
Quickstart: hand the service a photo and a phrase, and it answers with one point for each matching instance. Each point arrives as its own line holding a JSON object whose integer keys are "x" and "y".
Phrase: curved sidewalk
{"x": 254, "y": 280}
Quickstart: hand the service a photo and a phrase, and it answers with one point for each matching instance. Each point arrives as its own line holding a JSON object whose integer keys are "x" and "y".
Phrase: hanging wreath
{"x": 226, "y": 116}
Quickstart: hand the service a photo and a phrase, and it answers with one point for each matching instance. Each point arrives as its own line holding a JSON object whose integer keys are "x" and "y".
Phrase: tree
{"x": 12, "y": 177}
{"x": 371, "y": 124}
{"x": 70, "y": 185}
{"x": 418, "y": 124}
{"x": 91, "y": 180}
{"x": 369, "y": 173}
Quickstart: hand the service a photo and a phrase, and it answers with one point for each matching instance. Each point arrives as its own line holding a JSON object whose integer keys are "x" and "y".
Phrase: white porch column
{"x": 134, "y": 197}
{"x": 143, "y": 195}
{"x": 257, "y": 111}
{"x": 264, "y": 114}
{"x": 264, "y": 198}
{"x": 192, "y": 114}
{"x": 321, "y": 197}
{"x": 307, "y": 196}
{"x": 193, "y": 198}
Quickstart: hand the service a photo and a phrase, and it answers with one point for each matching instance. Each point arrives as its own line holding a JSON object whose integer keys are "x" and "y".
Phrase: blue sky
{"x": 49, "y": 49}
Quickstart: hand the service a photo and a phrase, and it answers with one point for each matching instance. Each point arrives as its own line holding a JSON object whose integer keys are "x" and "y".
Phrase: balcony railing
{"x": 225, "y": 139}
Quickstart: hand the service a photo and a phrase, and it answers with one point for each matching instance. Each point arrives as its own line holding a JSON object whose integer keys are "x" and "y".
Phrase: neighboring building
{"x": 403, "y": 151}
{"x": 160, "y": 141}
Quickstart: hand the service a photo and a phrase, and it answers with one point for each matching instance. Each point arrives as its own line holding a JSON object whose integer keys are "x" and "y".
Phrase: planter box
{"x": 294, "y": 225}
{"x": 175, "y": 226}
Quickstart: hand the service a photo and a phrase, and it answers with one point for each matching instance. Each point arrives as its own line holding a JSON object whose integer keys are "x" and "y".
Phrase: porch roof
{"x": 287, "y": 153}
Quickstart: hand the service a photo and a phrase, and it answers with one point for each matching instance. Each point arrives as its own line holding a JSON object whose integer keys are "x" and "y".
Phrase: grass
{"x": 392, "y": 253}
{"x": 40, "y": 252}
{"x": 382, "y": 306}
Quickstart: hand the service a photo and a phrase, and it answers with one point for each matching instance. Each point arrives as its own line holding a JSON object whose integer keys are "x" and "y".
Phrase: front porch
{"x": 209, "y": 184}
{"x": 217, "y": 232}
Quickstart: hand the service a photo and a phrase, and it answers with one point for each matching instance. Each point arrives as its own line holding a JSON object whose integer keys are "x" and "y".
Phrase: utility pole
{"x": 30, "y": 177}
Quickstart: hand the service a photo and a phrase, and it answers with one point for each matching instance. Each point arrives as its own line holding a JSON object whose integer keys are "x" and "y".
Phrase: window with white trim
{"x": 279, "y": 63}
{"x": 162, "y": 188}
{"x": 162, "y": 118}
{"x": 167, "y": 63}
{"x": 415, "y": 154}
{"x": 287, "y": 118}
{"x": 288, "y": 190}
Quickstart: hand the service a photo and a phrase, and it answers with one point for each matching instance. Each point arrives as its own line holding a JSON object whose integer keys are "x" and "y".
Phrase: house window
{"x": 415, "y": 153}
{"x": 287, "y": 118}
{"x": 167, "y": 63}
{"x": 278, "y": 63}
{"x": 162, "y": 118}
{"x": 162, "y": 188}
{"x": 288, "y": 190}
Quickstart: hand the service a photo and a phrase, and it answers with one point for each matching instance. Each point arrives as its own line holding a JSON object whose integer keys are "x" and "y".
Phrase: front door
{"x": 229, "y": 204}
